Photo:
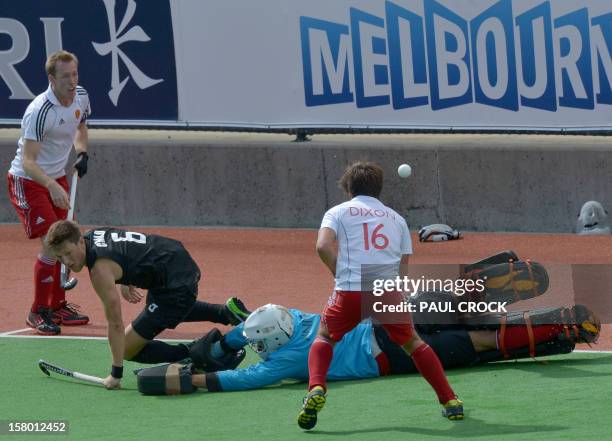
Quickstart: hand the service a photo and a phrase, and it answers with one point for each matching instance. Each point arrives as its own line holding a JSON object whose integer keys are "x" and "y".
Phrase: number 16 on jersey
{"x": 375, "y": 239}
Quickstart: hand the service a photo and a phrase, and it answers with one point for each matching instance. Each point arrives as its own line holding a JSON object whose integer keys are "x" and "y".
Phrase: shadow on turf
{"x": 564, "y": 368}
{"x": 468, "y": 428}
{"x": 289, "y": 385}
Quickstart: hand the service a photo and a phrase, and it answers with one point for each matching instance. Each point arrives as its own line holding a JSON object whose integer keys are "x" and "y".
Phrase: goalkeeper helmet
{"x": 268, "y": 328}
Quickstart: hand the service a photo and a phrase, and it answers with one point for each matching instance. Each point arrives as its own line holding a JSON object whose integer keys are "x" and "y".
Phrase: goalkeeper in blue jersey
{"x": 282, "y": 337}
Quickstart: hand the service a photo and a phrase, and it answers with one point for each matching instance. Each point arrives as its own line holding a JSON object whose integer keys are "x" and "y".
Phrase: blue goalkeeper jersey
{"x": 352, "y": 356}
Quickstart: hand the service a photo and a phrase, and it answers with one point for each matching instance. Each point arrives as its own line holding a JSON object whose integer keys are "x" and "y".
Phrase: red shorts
{"x": 345, "y": 309}
{"x": 33, "y": 204}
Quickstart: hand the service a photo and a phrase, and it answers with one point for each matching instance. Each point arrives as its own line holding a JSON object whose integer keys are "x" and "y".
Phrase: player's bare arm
{"x": 31, "y": 150}
{"x": 81, "y": 139}
{"x": 131, "y": 294}
{"x": 103, "y": 276}
{"x": 327, "y": 248}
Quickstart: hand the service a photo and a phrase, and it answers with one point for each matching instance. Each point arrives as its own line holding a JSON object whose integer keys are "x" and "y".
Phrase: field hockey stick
{"x": 68, "y": 284}
{"x": 46, "y": 367}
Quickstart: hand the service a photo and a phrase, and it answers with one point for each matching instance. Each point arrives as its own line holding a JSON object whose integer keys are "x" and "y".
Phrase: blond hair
{"x": 61, "y": 55}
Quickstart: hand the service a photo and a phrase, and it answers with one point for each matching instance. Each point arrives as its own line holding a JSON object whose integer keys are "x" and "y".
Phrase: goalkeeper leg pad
{"x": 501, "y": 257}
{"x": 512, "y": 281}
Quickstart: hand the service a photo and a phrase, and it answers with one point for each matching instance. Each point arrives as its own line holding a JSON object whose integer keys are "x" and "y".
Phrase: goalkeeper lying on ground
{"x": 282, "y": 337}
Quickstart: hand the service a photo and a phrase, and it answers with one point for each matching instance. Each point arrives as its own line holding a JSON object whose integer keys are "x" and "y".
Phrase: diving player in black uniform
{"x": 135, "y": 260}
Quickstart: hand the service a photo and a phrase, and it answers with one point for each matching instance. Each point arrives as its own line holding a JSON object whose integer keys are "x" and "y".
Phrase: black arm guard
{"x": 167, "y": 379}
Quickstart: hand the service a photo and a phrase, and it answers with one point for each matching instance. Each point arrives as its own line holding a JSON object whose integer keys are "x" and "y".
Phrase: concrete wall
{"x": 473, "y": 182}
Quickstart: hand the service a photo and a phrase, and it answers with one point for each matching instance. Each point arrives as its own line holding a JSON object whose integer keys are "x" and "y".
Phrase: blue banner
{"x": 125, "y": 50}
{"x": 469, "y": 61}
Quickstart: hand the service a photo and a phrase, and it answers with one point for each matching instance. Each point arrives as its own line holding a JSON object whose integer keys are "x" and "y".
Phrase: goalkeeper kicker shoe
{"x": 42, "y": 323}
{"x": 313, "y": 404}
{"x": 583, "y": 325}
{"x": 453, "y": 409}
{"x": 237, "y": 312}
{"x": 588, "y": 322}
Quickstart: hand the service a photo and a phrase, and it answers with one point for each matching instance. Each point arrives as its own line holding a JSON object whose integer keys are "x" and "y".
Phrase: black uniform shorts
{"x": 168, "y": 306}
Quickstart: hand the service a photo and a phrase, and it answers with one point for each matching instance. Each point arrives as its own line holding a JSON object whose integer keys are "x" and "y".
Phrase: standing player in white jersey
{"x": 37, "y": 185}
{"x": 358, "y": 236}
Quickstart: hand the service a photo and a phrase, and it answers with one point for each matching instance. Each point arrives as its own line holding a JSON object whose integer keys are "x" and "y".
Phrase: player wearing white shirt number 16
{"x": 358, "y": 236}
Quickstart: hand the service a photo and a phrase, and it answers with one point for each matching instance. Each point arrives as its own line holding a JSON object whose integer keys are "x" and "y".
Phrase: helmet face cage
{"x": 258, "y": 346}
{"x": 268, "y": 328}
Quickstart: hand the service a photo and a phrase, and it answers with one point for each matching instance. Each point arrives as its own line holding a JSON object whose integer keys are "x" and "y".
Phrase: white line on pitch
{"x": 16, "y": 331}
{"x": 592, "y": 351}
{"x": 75, "y": 337}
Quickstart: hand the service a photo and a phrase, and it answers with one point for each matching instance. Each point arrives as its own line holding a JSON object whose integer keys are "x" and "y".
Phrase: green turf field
{"x": 568, "y": 398}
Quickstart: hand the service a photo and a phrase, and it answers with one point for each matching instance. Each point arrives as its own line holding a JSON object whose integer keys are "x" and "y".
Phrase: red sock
{"x": 43, "y": 282}
{"x": 319, "y": 360}
{"x": 59, "y": 295}
{"x": 516, "y": 337}
{"x": 428, "y": 364}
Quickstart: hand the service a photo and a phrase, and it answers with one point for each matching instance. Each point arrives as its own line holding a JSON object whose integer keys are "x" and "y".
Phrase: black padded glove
{"x": 81, "y": 164}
